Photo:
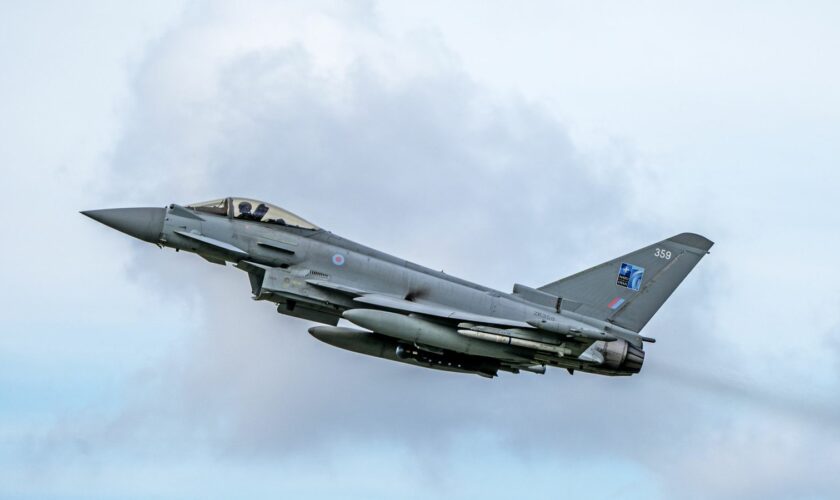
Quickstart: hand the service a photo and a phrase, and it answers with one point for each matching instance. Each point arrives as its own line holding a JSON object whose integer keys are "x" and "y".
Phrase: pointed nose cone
{"x": 143, "y": 223}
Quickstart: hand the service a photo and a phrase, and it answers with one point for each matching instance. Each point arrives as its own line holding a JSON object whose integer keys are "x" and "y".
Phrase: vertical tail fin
{"x": 630, "y": 289}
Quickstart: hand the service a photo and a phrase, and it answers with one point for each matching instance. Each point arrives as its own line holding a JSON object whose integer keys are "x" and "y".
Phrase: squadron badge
{"x": 630, "y": 276}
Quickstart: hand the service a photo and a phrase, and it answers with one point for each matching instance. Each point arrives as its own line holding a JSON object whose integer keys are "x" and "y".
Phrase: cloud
{"x": 385, "y": 140}
{"x": 431, "y": 166}
{"x": 423, "y": 163}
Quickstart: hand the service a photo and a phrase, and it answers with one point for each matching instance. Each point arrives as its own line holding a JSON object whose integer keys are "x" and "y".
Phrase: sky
{"x": 502, "y": 143}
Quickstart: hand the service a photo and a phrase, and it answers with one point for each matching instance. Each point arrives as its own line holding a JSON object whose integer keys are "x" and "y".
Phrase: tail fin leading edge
{"x": 630, "y": 289}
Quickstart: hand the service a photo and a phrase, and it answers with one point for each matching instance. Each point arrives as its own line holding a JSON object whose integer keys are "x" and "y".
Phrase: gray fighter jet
{"x": 589, "y": 321}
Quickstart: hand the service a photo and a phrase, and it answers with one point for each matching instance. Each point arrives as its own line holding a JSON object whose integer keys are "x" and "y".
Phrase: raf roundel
{"x": 338, "y": 259}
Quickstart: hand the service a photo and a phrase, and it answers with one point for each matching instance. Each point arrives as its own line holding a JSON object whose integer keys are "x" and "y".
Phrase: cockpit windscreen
{"x": 253, "y": 210}
{"x": 218, "y": 207}
{"x": 260, "y": 211}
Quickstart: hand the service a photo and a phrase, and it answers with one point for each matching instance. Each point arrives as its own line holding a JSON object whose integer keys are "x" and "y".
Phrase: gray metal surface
{"x": 415, "y": 315}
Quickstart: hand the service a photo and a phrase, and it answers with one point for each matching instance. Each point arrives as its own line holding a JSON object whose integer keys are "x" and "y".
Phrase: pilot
{"x": 245, "y": 211}
{"x": 261, "y": 210}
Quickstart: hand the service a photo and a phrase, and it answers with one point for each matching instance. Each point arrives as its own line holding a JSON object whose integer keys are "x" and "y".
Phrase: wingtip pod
{"x": 693, "y": 240}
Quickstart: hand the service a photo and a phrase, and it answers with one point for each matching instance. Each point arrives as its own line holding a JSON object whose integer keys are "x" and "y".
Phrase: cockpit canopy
{"x": 253, "y": 210}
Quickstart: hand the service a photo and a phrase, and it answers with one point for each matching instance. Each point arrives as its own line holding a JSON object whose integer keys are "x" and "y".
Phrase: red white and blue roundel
{"x": 338, "y": 259}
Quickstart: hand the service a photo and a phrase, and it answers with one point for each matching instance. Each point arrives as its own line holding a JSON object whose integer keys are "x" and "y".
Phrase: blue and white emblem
{"x": 338, "y": 259}
{"x": 630, "y": 276}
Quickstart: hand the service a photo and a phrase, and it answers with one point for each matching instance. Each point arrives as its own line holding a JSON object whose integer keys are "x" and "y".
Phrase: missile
{"x": 559, "y": 350}
{"x": 414, "y": 330}
{"x": 577, "y": 330}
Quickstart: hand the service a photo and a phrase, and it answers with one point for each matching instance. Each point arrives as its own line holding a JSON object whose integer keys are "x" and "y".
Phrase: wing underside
{"x": 520, "y": 345}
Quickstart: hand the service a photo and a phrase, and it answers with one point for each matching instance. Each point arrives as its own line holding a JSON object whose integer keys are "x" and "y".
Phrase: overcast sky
{"x": 499, "y": 142}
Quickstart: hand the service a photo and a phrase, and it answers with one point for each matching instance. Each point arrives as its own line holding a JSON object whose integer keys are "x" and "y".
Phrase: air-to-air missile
{"x": 589, "y": 321}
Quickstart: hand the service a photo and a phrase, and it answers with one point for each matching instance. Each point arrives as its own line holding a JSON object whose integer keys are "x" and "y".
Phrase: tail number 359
{"x": 662, "y": 253}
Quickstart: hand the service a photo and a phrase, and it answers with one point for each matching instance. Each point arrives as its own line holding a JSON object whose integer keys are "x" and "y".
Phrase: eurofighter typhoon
{"x": 404, "y": 312}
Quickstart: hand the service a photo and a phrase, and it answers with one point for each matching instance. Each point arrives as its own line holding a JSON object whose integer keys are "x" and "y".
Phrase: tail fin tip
{"x": 693, "y": 240}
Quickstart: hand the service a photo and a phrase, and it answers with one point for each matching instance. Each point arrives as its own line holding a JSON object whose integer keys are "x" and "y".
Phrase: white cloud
{"x": 383, "y": 136}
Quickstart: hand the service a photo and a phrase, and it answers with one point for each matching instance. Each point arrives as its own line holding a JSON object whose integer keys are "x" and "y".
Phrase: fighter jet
{"x": 401, "y": 311}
